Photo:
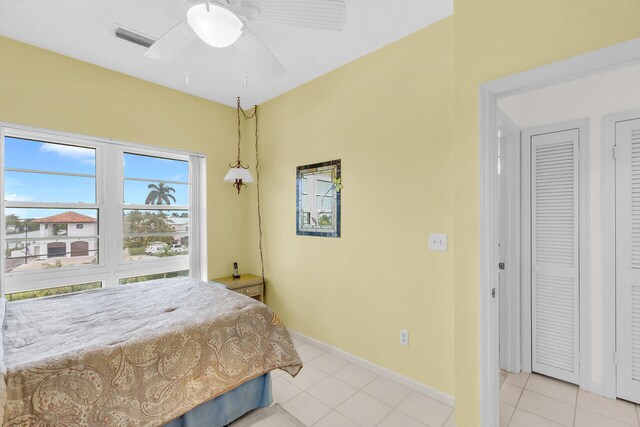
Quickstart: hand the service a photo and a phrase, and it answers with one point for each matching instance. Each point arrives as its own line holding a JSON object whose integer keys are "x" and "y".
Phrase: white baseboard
{"x": 438, "y": 395}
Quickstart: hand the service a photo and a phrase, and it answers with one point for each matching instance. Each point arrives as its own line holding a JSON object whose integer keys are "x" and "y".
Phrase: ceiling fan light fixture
{"x": 217, "y": 27}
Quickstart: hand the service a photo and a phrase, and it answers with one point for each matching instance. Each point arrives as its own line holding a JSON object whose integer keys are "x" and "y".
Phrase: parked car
{"x": 155, "y": 248}
{"x": 179, "y": 249}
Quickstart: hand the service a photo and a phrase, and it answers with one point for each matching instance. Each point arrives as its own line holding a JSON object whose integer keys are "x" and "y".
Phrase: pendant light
{"x": 238, "y": 173}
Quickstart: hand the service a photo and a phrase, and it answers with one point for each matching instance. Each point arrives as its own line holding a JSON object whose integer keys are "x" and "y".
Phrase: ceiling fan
{"x": 222, "y": 23}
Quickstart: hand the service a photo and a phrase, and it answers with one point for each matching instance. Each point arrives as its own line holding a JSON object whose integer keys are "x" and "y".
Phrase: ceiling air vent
{"x": 133, "y": 37}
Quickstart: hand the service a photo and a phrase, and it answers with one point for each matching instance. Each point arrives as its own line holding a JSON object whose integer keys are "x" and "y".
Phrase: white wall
{"x": 591, "y": 97}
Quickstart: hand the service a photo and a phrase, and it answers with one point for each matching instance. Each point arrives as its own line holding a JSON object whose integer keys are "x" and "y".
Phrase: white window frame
{"x": 169, "y": 263}
{"x": 109, "y": 204}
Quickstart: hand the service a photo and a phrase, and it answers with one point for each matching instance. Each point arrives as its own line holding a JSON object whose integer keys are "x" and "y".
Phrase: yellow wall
{"x": 495, "y": 38}
{"x": 44, "y": 89}
{"x": 388, "y": 116}
{"x": 354, "y": 292}
{"x": 404, "y": 121}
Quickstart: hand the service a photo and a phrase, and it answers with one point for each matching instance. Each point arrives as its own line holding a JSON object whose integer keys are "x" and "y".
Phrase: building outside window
{"x": 80, "y": 212}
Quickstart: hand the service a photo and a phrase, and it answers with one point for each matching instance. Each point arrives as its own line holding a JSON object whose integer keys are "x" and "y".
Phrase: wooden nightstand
{"x": 247, "y": 284}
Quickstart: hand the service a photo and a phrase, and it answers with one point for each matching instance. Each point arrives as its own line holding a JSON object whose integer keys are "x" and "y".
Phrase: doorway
{"x": 617, "y": 56}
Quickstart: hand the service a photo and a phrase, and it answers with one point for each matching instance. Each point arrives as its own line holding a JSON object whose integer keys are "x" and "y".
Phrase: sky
{"x": 38, "y": 187}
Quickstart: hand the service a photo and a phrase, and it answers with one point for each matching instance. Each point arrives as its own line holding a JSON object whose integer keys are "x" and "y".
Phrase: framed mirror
{"x": 318, "y": 188}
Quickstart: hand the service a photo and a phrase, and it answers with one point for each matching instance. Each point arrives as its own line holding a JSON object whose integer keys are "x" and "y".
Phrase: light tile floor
{"x": 528, "y": 400}
{"x": 332, "y": 392}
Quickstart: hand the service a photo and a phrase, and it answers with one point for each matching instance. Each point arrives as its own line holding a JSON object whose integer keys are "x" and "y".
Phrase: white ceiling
{"x": 82, "y": 29}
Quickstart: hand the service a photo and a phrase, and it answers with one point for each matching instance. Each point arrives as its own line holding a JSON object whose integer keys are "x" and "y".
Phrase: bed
{"x": 137, "y": 355}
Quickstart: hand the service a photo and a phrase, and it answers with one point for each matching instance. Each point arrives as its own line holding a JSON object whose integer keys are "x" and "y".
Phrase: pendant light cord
{"x": 238, "y": 109}
{"x": 254, "y": 114}
{"x": 258, "y": 197}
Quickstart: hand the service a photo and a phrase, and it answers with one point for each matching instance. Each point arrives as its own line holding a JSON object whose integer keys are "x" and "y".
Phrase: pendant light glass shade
{"x": 235, "y": 174}
{"x": 217, "y": 27}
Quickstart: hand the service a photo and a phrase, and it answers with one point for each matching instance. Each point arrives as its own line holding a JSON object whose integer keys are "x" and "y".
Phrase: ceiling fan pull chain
{"x": 186, "y": 54}
{"x": 207, "y": 3}
{"x": 245, "y": 58}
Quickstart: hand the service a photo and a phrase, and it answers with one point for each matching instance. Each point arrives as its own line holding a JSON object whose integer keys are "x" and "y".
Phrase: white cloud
{"x": 17, "y": 198}
{"x": 86, "y": 155}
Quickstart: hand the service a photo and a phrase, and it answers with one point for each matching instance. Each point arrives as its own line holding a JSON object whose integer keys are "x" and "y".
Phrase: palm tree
{"x": 160, "y": 194}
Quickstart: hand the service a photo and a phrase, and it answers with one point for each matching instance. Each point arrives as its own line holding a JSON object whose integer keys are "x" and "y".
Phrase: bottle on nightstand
{"x": 235, "y": 273}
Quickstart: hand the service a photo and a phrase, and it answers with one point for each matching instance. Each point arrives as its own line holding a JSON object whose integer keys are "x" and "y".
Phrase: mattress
{"x": 135, "y": 355}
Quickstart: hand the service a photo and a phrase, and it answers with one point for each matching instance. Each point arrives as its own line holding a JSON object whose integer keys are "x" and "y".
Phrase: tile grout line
{"x": 575, "y": 405}
{"x": 395, "y": 408}
{"x": 325, "y": 416}
{"x": 548, "y": 397}
{"x": 575, "y": 409}
{"x": 539, "y": 416}
{"x": 334, "y": 409}
{"x": 295, "y": 395}
{"x": 511, "y": 417}
{"x": 425, "y": 389}
{"x": 361, "y": 389}
{"x": 313, "y": 397}
{"x": 315, "y": 357}
{"x": 514, "y": 406}
{"x": 385, "y": 417}
{"x": 606, "y": 416}
{"x": 448, "y": 418}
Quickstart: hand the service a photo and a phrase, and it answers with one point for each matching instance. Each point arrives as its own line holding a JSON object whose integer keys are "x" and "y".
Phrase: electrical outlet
{"x": 437, "y": 242}
{"x": 404, "y": 337}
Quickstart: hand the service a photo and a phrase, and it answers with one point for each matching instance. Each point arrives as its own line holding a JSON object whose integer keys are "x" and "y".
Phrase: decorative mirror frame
{"x": 334, "y": 167}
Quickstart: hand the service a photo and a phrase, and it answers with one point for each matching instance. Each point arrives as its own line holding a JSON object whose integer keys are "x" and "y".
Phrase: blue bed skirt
{"x": 228, "y": 407}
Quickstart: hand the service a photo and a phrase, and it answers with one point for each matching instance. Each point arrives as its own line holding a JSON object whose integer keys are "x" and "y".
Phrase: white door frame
{"x": 584, "y": 248}
{"x": 609, "y": 247}
{"x": 609, "y": 58}
{"x": 509, "y": 296}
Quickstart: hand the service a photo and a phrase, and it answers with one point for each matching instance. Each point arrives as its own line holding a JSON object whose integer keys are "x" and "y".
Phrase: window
{"x": 66, "y": 214}
{"x": 155, "y": 211}
{"x": 53, "y": 291}
{"x": 156, "y": 276}
{"x": 47, "y": 186}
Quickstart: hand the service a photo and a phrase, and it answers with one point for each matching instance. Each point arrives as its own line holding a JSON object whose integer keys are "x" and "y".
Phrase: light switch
{"x": 438, "y": 242}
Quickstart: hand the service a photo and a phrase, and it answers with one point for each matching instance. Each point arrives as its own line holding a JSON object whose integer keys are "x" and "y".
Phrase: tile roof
{"x": 65, "y": 218}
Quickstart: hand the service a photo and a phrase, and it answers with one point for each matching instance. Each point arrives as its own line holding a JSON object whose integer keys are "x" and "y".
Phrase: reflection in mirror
{"x": 318, "y": 199}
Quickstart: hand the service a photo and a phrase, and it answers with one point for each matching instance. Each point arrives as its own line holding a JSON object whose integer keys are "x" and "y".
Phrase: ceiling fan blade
{"x": 172, "y": 43}
{"x": 323, "y": 14}
{"x": 259, "y": 55}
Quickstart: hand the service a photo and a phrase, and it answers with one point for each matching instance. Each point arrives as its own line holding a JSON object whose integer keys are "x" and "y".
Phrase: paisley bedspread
{"x": 134, "y": 355}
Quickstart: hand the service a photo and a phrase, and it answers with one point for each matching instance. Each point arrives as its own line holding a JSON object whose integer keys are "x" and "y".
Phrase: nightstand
{"x": 246, "y": 284}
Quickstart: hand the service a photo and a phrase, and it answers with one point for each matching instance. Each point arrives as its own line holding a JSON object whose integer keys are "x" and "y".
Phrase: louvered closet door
{"x": 554, "y": 251}
{"x": 628, "y": 258}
